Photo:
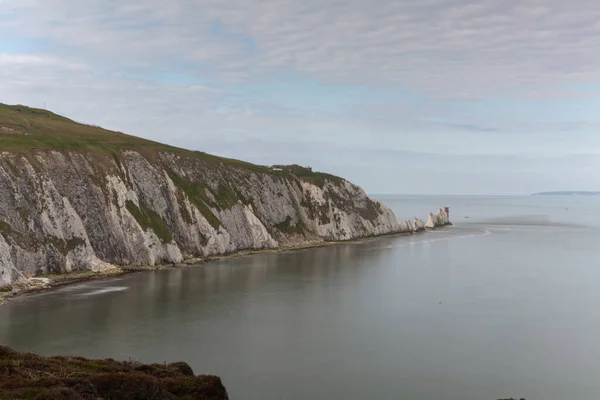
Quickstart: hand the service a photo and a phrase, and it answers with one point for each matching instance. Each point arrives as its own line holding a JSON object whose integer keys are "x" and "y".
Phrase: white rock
{"x": 74, "y": 211}
{"x": 439, "y": 219}
{"x": 418, "y": 225}
{"x": 6, "y": 264}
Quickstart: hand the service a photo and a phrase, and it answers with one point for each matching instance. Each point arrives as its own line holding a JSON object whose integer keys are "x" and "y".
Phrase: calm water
{"x": 505, "y": 303}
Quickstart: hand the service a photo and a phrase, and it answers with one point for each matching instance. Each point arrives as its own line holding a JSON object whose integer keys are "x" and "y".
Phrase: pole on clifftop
{"x": 448, "y": 213}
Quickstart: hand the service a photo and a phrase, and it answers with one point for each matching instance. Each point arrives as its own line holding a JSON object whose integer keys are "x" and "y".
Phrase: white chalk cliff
{"x": 439, "y": 219}
{"x": 62, "y": 210}
{"x": 87, "y": 209}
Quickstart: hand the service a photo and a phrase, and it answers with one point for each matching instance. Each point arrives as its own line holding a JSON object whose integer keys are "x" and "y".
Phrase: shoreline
{"x": 57, "y": 281}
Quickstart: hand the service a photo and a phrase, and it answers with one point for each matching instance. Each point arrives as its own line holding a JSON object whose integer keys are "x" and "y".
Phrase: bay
{"x": 503, "y": 303}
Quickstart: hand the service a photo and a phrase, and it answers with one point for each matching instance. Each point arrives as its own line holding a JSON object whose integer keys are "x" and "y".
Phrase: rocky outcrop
{"x": 418, "y": 225}
{"x": 437, "y": 220}
{"x": 71, "y": 210}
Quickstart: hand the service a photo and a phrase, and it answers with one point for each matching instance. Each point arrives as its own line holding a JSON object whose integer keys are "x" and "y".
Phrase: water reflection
{"x": 65, "y": 321}
{"x": 471, "y": 312}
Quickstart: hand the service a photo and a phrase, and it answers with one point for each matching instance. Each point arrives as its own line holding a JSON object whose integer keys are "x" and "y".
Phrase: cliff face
{"x": 66, "y": 210}
{"x": 78, "y": 197}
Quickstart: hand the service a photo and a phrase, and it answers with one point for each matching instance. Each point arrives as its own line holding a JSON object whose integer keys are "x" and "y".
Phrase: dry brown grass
{"x": 28, "y": 376}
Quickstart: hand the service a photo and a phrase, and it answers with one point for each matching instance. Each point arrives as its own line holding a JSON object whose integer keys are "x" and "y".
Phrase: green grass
{"x": 6, "y": 230}
{"x": 306, "y": 173}
{"x": 41, "y": 129}
{"x": 37, "y": 129}
{"x": 65, "y": 246}
{"x": 196, "y": 192}
{"x": 315, "y": 210}
{"x": 149, "y": 219}
{"x": 13, "y": 169}
{"x": 227, "y": 197}
{"x": 287, "y": 227}
{"x": 24, "y": 213}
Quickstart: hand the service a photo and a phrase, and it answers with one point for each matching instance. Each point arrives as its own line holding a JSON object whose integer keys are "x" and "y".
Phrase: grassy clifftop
{"x": 23, "y": 129}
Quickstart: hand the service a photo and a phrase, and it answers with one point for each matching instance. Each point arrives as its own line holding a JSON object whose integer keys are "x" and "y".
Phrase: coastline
{"x": 57, "y": 281}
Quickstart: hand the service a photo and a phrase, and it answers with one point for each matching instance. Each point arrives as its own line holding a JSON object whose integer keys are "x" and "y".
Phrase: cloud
{"x": 451, "y": 48}
{"x": 384, "y": 170}
{"x": 452, "y": 78}
{"x": 25, "y": 60}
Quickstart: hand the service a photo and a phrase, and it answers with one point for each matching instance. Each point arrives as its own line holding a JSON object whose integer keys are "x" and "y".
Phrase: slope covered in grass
{"x": 24, "y": 129}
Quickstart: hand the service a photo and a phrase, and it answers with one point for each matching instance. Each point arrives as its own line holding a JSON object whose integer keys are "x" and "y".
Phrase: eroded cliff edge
{"x": 78, "y": 197}
{"x": 65, "y": 210}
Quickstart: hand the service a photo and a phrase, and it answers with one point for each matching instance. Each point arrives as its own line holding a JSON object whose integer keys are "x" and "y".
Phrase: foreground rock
{"x": 28, "y": 376}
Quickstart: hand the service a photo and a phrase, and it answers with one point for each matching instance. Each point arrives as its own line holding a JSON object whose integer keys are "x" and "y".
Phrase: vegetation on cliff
{"x": 78, "y": 197}
{"x": 24, "y": 128}
{"x": 28, "y": 376}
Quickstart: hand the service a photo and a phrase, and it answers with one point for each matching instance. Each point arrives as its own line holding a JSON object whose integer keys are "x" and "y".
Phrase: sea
{"x": 504, "y": 303}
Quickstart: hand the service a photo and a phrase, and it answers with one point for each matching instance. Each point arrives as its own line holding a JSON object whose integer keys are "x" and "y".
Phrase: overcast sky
{"x": 405, "y": 96}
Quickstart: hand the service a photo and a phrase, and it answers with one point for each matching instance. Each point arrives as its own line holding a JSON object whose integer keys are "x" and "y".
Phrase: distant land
{"x": 567, "y": 193}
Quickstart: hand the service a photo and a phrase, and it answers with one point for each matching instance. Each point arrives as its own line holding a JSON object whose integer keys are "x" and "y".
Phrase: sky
{"x": 398, "y": 96}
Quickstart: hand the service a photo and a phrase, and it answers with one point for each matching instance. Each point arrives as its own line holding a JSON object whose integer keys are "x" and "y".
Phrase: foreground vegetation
{"x": 28, "y": 376}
